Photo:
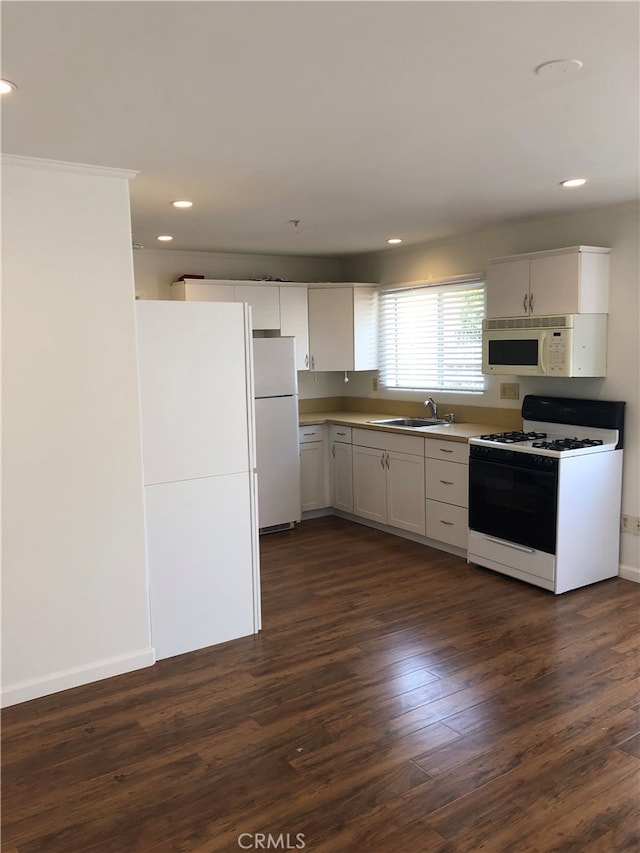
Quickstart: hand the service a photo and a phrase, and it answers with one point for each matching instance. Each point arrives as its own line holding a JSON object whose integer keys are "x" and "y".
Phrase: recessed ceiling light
{"x": 164, "y": 238}
{"x": 573, "y": 182}
{"x": 394, "y": 240}
{"x": 182, "y": 203}
{"x": 6, "y": 86}
{"x": 559, "y": 67}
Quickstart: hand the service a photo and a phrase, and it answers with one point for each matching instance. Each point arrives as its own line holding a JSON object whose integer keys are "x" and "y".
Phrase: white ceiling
{"x": 362, "y": 120}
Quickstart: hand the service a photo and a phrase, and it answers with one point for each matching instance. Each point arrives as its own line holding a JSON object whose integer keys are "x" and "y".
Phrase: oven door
{"x": 513, "y": 496}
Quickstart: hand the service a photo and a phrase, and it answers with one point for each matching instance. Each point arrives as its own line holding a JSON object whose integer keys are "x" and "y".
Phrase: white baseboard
{"x": 630, "y": 573}
{"x": 66, "y": 679}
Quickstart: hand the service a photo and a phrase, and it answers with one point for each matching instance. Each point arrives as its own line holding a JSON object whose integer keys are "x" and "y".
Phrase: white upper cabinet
{"x": 202, "y": 291}
{"x": 264, "y": 299}
{"x": 561, "y": 281}
{"x": 342, "y": 328}
{"x": 294, "y": 321}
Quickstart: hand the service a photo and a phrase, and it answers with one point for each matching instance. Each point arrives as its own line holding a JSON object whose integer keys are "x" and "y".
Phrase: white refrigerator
{"x": 196, "y": 390}
{"x": 277, "y": 453}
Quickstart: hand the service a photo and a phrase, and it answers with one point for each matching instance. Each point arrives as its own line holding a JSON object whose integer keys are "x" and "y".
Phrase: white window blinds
{"x": 431, "y": 336}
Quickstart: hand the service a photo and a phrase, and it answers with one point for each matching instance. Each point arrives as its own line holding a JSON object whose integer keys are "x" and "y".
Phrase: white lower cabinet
{"x": 447, "y": 489}
{"x": 341, "y": 468}
{"x": 403, "y": 482}
{"x": 388, "y": 479}
{"x": 370, "y": 483}
{"x": 313, "y": 467}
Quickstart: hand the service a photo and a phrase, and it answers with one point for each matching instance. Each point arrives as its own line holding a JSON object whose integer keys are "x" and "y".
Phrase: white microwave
{"x": 565, "y": 345}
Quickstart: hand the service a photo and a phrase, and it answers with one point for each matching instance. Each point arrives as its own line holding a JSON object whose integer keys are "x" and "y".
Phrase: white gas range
{"x": 544, "y": 503}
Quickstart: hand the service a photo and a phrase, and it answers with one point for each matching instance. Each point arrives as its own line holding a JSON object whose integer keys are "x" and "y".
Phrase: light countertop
{"x": 450, "y": 432}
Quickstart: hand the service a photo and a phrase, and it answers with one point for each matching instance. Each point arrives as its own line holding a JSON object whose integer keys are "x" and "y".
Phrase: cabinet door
{"x": 405, "y": 492}
{"x": 508, "y": 289}
{"x": 294, "y": 321}
{"x": 312, "y": 478}
{"x": 265, "y": 304}
{"x": 340, "y": 463}
{"x": 370, "y": 484}
{"x": 189, "y": 291}
{"x": 331, "y": 328}
{"x": 554, "y": 284}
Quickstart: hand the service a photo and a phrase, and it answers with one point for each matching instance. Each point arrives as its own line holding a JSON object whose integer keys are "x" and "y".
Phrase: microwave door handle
{"x": 543, "y": 353}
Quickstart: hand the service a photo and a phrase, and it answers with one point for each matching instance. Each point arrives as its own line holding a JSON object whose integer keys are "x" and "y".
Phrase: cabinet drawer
{"x": 314, "y": 432}
{"x": 389, "y": 441}
{"x": 447, "y": 523}
{"x": 447, "y": 481}
{"x": 340, "y": 433}
{"x": 492, "y": 552}
{"x": 451, "y": 451}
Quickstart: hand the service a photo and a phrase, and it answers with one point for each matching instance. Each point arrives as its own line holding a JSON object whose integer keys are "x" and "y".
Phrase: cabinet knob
{"x": 306, "y": 360}
{"x": 382, "y": 460}
{"x": 531, "y": 304}
{"x": 524, "y": 303}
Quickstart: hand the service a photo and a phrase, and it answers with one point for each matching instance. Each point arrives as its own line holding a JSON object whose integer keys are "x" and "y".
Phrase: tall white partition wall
{"x": 74, "y": 585}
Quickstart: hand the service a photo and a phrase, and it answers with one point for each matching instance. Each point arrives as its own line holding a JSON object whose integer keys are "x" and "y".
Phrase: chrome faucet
{"x": 430, "y": 403}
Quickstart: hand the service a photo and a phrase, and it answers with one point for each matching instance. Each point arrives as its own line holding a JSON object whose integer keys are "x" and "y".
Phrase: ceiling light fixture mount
{"x": 573, "y": 182}
{"x": 558, "y": 67}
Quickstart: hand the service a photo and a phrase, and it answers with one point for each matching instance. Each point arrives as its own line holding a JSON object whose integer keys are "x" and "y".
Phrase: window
{"x": 431, "y": 336}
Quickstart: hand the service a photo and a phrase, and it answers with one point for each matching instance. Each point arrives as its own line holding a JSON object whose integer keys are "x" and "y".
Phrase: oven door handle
{"x": 511, "y": 545}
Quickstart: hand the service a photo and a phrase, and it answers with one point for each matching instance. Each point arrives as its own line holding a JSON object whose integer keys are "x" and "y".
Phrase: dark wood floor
{"x": 397, "y": 700}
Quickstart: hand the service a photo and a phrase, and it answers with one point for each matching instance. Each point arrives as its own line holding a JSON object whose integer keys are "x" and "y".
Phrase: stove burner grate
{"x": 567, "y": 443}
{"x": 513, "y": 437}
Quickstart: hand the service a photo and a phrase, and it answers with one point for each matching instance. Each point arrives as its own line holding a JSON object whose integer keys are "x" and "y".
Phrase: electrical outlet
{"x": 375, "y": 383}
{"x": 509, "y": 391}
{"x": 630, "y": 524}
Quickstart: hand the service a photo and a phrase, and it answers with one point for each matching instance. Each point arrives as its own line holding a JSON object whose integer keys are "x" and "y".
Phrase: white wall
{"x": 617, "y": 227}
{"x": 75, "y": 591}
{"x": 155, "y": 269}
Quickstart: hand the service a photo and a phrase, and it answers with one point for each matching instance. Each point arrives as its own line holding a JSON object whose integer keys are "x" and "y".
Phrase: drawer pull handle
{"x": 341, "y": 433}
{"x": 446, "y": 482}
{"x": 442, "y": 450}
{"x": 308, "y": 433}
{"x": 448, "y": 523}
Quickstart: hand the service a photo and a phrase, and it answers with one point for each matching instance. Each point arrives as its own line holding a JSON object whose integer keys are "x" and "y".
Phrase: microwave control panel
{"x": 557, "y": 353}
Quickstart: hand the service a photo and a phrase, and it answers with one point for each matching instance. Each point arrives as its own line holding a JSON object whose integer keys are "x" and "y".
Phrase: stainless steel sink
{"x": 411, "y": 423}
